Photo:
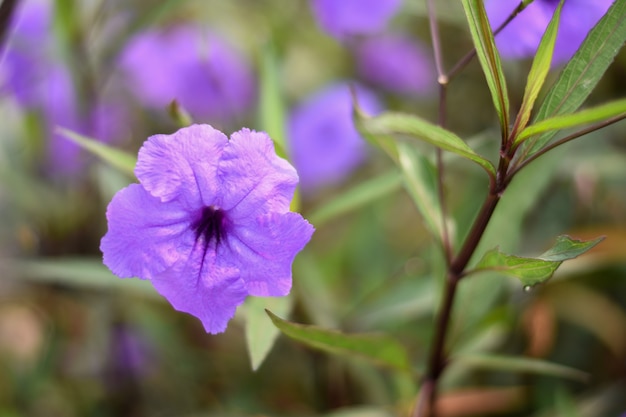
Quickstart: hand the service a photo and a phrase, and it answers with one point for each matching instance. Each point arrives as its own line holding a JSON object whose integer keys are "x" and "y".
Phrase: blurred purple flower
{"x": 199, "y": 70}
{"x": 209, "y": 223}
{"x": 396, "y": 63}
{"x": 342, "y": 18}
{"x": 521, "y": 37}
{"x": 323, "y": 140}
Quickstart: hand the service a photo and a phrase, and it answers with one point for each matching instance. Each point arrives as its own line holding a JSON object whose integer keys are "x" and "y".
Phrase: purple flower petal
{"x": 342, "y": 18}
{"x": 254, "y": 179}
{"x": 323, "y": 140}
{"x": 145, "y": 236}
{"x": 396, "y": 63}
{"x": 182, "y": 165}
{"x": 209, "y": 223}
{"x": 521, "y": 37}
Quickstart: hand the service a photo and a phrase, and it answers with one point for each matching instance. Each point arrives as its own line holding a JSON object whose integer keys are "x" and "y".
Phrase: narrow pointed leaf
{"x": 533, "y": 271}
{"x": 121, "y": 160}
{"x": 378, "y": 348}
{"x": 583, "y": 71}
{"x": 489, "y": 58}
{"x": 420, "y": 180}
{"x": 356, "y": 197}
{"x": 539, "y": 69}
{"x": 384, "y": 141}
{"x": 521, "y": 365}
{"x": 271, "y": 105}
{"x": 260, "y": 333}
{"x": 583, "y": 117}
{"x": 391, "y": 124}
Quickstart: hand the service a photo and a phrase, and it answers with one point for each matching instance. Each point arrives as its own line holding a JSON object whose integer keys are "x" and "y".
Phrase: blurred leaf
{"x": 261, "y": 334}
{"x": 565, "y": 404}
{"x": 361, "y": 411}
{"x": 521, "y": 365}
{"x": 392, "y": 123}
{"x": 272, "y": 106}
{"x": 384, "y": 141}
{"x": 539, "y": 69}
{"x": 489, "y": 58}
{"x": 380, "y": 349}
{"x": 179, "y": 114}
{"x": 121, "y": 160}
{"x": 532, "y": 271}
{"x": 591, "y": 115}
{"x": 420, "y": 180}
{"x": 583, "y": 71}
{"x": 78, "y": 272}
{"x": 357, "y": 197}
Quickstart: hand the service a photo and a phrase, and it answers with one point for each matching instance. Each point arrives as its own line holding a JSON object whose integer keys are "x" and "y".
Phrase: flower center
{"x": 211, "y": 225}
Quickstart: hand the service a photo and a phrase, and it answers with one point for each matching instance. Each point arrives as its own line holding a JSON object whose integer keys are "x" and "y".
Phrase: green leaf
{"x": 567, "y": 248}
{"x": 380, "y": 349}
{"x": 389, "y": 124}
{"x": 591, "y": 115}
{"x": 539, "y": 69}
{"x": 121, "y": 160}
{"x": 532, "y": 271}
{"x": 260, "y": 333}
{"x": 489, "y": 58}
{"x": 521, "y": 365}
{"x": 179, "y": 114}
{"x": 356, "y": 197}
{"x": 583, "y": 71}
{"x": 420, "y": 180}
{"x": 271, "y": 105}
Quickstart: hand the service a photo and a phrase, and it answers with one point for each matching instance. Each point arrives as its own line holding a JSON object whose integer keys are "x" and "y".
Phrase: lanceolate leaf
{"x": 539, "y": 69}
{"x": 121, "y": 160}
{"x": 521, "y": 365}
{"x": 272, "y": 107}
{"x": 582, "y": 73}
{"x": 591, "y": 115}
{"x": 390, "y": 124}
{"x": 380, "y": 349}
{"x": 532, "y": 271}
{"x": 489, "y": 58}
{"x": 261, "y": 334}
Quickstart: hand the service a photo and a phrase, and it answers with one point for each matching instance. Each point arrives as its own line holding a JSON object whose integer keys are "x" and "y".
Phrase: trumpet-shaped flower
{"x": 209, "y": 222}
{"x": 521, "y": 37}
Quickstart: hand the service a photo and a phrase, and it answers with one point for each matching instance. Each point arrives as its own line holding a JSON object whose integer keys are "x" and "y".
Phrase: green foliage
{"x": 533, "y": 271}
{"x": 489, "y": 58}
{"x": 377, "y": 348}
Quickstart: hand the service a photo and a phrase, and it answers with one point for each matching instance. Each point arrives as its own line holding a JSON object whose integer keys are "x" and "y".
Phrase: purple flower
{"x": 342, "y": 18}
{"x": 199, "y": 70}
{"x": 323, "y": 140}
{"x": 396, "y": 63}
{"x": 209, "y": 223}
{"x": 521, "y": 37}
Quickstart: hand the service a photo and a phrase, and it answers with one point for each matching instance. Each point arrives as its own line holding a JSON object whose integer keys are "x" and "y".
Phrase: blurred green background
{"x": 77, "y": 341}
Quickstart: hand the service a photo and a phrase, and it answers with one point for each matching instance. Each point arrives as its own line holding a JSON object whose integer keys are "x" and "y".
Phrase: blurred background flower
{"x": 521, "y": 37}
{"x": 324, "y": 143}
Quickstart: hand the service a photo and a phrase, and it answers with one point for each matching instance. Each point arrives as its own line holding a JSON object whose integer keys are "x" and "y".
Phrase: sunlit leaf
{"x": 391, "y": 124}
{"x": 378, "y": 348}
{"x": 532, "y": 271}
{"x": 489, "y": 58}
{"x": 539, "y": 69}
{"x": 583, "y": 117}
{"x": 261, "y": 334}
{"x": 121, "y": 160}
{"x": 583, "y": 71}
{"x": 521, "y": 365}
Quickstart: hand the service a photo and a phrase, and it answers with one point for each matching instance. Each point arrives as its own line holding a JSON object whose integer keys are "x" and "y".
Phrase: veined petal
{"x": 207, "y": 286}
{"x": 253, "y": 179}
{"x": 182, "y": 165}
{"x": 145, "y": 236}
{"x": 265, "y": 248}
